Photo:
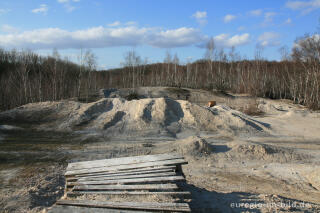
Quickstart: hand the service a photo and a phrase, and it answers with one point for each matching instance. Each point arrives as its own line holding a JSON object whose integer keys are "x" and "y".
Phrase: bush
{"x": 132, "y": 96}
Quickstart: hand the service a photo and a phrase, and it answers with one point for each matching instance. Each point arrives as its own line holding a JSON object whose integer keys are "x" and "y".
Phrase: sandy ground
{"x": 237, "y": 162}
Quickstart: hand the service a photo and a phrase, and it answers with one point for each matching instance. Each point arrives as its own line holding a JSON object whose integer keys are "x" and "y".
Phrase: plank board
{"x": 128, "y": 193}
{"x": 159, "y": 174}
{"x": 128, "y": 181}
{"x": 112, "y": 174}
{"x": 130, "y": 170}
{"x": 124, "y": 167}
{"x": 77, "y": 209}
{"x": 127, "y": 187}
{"x": 121, "y": 161}
{"x": 178, "y": 207}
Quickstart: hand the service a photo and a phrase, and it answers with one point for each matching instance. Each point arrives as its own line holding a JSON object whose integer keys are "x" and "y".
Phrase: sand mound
{"x": 266, "y": 152}
{"x": 151, "y": 116}
{"x": 193, "y": 145}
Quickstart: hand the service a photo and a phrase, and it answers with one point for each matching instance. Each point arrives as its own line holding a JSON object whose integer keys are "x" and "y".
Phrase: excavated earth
{"x": 237, "y": 162}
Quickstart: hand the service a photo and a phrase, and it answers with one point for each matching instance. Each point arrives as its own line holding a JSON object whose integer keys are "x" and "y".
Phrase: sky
{"x": 110, "y": 28}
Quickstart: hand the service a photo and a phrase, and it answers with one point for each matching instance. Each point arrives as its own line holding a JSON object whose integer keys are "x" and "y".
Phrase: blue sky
{"x": 151, "y": 27}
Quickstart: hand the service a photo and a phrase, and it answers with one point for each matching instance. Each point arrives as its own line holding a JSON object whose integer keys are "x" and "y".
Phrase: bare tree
{"x": 176, "y": 63}
{"x": 131, "y": 61}
{"x": 209, "y": 55}
{"x": 90, "y": 63}
{"x": 307, "y": 49}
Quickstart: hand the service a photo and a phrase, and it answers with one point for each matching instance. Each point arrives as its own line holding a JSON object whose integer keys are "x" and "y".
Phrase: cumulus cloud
{"x": 269, "y": 39}
{"x": 201, "y": 17}
{"x": 224, "y": 40}
{"x": 8, "y": 29}
{"x": 257, "y": 12}
{"x": 100, "y": 37}
{"x": 229, "y": 18}
{"x": 42, "y": 9}
{"x": 175, "y": 38}
{"x": 304, "y": 6}
{"x": 114, "y": 24}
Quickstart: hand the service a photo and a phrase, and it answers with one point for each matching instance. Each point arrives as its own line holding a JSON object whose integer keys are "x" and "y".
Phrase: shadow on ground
{"x": 211, "y": 201}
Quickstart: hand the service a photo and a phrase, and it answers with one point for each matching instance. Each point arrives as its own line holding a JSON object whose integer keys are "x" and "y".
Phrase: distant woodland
{"x": 26, "y": 77}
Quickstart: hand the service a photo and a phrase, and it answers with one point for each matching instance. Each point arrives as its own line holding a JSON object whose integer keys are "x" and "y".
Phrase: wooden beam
{"x": 126, "y": 187}
{"x": 121, "y": 161}
{"x": 73, "y": 193}
{"x": 177, "y": 207}
{"x": 120, "y": 173}
{"x": 124, "y": 167}
{"x": 78, "y": 209}
{"x": 129, "y": 170}
{"x": 129, "y": 181}
{"x": 159, "y": 174}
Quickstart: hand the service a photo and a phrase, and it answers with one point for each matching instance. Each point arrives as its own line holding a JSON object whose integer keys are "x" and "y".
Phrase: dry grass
{"x": 251, "y": 108}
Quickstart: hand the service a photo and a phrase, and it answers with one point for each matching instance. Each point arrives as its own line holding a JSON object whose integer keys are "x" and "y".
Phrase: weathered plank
{"x": 159, "y": 174}
{"x": 77, "y": 209}
{"x": 128, "y": 181}
{"x": 128, "y": 193}
{"x": 129, "y": 170}
{"x": 121, "y": 161}
{"x": 178, "y": 207}
{"x": 126, "y": 187}
{"x": 124, "y": 167}
{"x": 112, "y": 174}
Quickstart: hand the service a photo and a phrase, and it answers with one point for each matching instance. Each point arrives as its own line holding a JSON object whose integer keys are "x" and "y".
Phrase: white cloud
{"x": 268, "y": 16}
{"x": 257, "y": 12}
{"x": 68, "y": 4}
{"x": 224, "y": 40}
{"x": 304, "y": 6}
{"x": 288, "y": 21}
{"x": 114, "y": 24}
{"x": 269, "y": 39}
{"x": 42, "y": 9}
{"x": 8, "y": 29}
{"x": 176, "y": 38}
{"x": 201, "y": 17}
{"x": 99, "y": 37}
{"x": 228, "y": 18}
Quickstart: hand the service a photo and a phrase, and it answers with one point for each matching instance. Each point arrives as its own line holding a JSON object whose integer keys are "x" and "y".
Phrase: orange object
{"x": 212, "y": 103}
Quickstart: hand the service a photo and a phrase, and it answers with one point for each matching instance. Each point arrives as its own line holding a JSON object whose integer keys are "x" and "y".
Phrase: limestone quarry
{"x": 269, "y": 157}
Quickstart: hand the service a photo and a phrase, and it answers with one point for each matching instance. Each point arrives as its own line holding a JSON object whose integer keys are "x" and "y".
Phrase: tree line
{"x": 26, "y": 77}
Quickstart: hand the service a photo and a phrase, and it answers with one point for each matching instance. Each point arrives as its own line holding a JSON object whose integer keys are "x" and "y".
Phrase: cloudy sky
{"x": 152, "y": 27}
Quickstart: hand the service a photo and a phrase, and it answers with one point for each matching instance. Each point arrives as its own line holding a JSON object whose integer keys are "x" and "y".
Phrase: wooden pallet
{"x": 130, "y": 176}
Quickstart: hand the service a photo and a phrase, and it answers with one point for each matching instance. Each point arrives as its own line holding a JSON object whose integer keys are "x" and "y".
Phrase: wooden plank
{"x": 77, "y": 209}
{"x": 178, "y": 207}
{"x": 124, "y": 167}
{"x": 159, "y": 174}
{"x": 126, "y": 187}
{"x": 128, "y": 193}
{"x": 129, "y": 170}
{"x": 121, "y": 161}
{"x": 128, "y": 181}
{"x": 113, "y": 174}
